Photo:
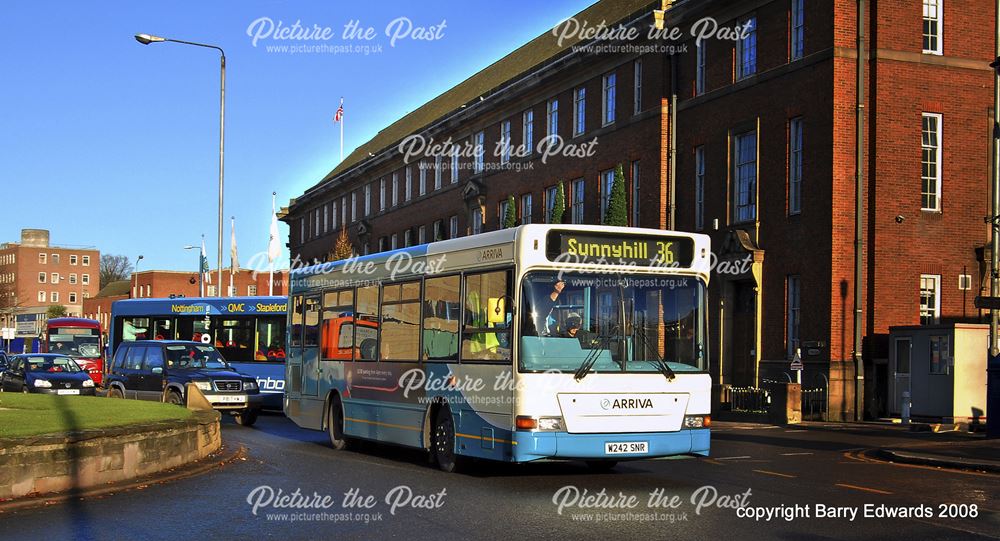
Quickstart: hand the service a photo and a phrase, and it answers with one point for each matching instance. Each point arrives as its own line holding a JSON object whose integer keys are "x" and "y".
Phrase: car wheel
{"x": 246, "y": 417}
{"x": 175, "y": 398}
{"x": 602, "y": 465}
{"x": 335, "y": 426}
{"x": 443, "y": 443}
{"x": 115, "y": 392}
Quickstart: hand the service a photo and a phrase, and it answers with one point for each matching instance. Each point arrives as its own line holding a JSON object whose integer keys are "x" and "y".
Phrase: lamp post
{"x": 135, "y": 276}
{"x": 201, "y": 284}
{"x": 146, "y": 39}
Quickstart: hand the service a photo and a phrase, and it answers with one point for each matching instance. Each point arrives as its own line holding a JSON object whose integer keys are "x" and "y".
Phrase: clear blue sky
{"x": 113, "y": 144}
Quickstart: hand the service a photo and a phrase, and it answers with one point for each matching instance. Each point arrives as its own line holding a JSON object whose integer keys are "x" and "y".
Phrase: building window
{"x": 41, "y": 296}
{"x": 746, "y": 177}
{"x": 381, "y": 194}
{"x": 408, "y": 238}
{"x": 381, "y": 244}
{"x": 798, "y": 32}
{"x": 354, "y": 207}
{"x": 72, "y": 298}
{"x": 85, "y": 261}
{"x": 930, "y": 299}
{"x": 395, "y": 189}
{"x": 699, "y": 73}
{"x": 552, "y": 118}
{"x": 333, "y": 220}
{"x": 368, "y": 199}
{"x": 526, "y": 208}
{"x": 421, "y": 177}
{"x": 476, "y": 220}
{"x": 579, "y": 111}
{"x": 72, "y": 279}
{"x": 454, "y": 165}
{"x": 699, "y": 188}
{"x": 54, "y": 278}
{"x": 793, "y": 303}
{"x": 41, "y": 258}
{"x": 505, "y": 141}
{"x": 607, "y": 182}
{"x": 393, "y": 242}
{"x": 316, "y": 223}
{"x": 408, "y": 178}
{"x": 438, "y": 230}
{"x": 930, "y": 176}
{"x": 251, "y": 290}
{"x": 576, "y": 207}
{"x": 550, "y": 201}
{"x": 933, "y": 23}
{"x": 635, "y": 193}
{"x": 72, "y": 259}
{"x": 210, "y": 290}
{"x": 479, "y": 149}
{"x": 795, "y": 166}
{"x": 437, "y": 172}
{"x": 422, "y": 234}
{"x": 502, "y": 215}
{"x": 746, "y": 50}
{"x": 302, "y": 229}
{"x": 42, "y": 277}
{"x": 54, "y": 296}
{"x": 55, "y": 259}
{"x": 608, "y": 99}
{"x": 528, "y": 131}
{"x": 940, "y": 354}
{"x": 636, "y": 86}
{"x": 965, "y": 282}
{"x": 343, "y": 211}
{"x": 326, "y": 218}
{"x": 453, "y": 227}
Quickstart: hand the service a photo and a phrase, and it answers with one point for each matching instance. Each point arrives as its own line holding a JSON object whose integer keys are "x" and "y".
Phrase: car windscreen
{"x": 194, "y": 357}
{"x": 50, "y": 364}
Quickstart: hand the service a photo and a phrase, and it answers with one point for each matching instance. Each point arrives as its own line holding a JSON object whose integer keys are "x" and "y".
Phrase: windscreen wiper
{"x": 600, "y": 343}
{"x": 660, "y": 364}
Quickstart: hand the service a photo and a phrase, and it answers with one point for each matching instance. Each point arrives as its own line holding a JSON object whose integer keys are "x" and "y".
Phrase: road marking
{"x": 733, "y": 457}
{"x": 795, "y": 454}
{"x": 794, "y": 431}
{"x": 713, "y": 461}
{"x": 765, "y": 472}
{"x": 866, "y": 489}
{"x": 951, "y": 527}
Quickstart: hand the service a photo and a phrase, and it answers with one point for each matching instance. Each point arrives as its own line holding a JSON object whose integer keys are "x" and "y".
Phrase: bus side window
{"x": 440, "y": 322}
{"x": 482, "y": 339}
{"x": 295, "y": 332}
{"x": 400, "y": 321}
{"x": 310, "y": 336}
{"x": 337, "y": 333}
{"x": 366, "y": 323}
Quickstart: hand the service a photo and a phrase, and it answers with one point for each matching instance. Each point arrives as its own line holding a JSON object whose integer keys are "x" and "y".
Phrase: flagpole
{"x": 270, "y": 275}
{"x": 232, "y": 246}
{"x": 201, "y": 268}
{"x": 341, "y": 110}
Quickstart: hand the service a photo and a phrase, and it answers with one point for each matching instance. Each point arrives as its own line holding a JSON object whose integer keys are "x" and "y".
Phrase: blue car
{"x": 46, "y": 373}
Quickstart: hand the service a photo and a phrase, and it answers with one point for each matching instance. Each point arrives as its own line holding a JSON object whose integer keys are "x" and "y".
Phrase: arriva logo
{"x": 627, "y": 403}
{"x": 267, "y": 384}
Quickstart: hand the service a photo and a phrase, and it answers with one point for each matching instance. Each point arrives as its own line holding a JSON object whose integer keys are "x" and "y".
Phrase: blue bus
{"x": 248, "y": 331}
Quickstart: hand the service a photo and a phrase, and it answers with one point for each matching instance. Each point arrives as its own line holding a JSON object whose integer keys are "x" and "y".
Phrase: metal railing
{"x": 748, "y": 399}
{"x": 814, "y": 404}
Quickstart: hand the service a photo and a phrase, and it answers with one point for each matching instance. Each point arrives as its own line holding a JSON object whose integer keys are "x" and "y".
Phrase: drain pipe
{"x": 859, "y": 366}
{"x": 672, "y": 224}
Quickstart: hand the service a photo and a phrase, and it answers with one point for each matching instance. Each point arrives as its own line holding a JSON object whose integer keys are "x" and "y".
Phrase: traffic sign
{"x": 796, "y": 361}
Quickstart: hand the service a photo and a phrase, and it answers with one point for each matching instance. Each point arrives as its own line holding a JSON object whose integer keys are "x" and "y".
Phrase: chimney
{"x": 35, "y": 238}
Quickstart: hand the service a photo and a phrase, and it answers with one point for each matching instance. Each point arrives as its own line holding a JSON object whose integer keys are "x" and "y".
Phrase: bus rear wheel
{"x": 443, "y": 443}
{"x": 335, "y": 426}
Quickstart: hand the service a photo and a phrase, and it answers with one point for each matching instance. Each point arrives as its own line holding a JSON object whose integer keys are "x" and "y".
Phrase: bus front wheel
{"x": 443, "y": 442}
{"x": 335, "y": 426}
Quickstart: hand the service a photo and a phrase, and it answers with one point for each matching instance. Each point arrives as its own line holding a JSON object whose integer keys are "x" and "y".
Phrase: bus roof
{"x": 74, "y": 322}
{"x": 199, "y": 306}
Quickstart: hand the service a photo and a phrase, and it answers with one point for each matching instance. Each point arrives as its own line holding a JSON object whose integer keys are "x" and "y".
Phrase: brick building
{"x": 764, "y": 162}
{"x": 35, "y": 275}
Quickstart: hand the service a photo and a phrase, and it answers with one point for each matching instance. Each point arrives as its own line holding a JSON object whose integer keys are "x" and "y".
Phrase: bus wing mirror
{"x": 495, "y": 308}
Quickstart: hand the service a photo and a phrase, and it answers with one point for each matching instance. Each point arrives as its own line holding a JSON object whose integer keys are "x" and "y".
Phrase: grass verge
{"x": 24, "y": 415}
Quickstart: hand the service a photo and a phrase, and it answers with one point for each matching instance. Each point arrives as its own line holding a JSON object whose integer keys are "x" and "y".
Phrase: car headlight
{"x": 88, "y": 383}
{"x": 250, "y": 385}
{"x": 203, "y": 385}
{"x": 42, "y": 383}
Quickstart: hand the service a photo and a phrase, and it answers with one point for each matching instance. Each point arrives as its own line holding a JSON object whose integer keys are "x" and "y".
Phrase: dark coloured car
{"x": 4, "y": 361}
{"x": 161, "y": 369}
{"x": 46, "y": 373}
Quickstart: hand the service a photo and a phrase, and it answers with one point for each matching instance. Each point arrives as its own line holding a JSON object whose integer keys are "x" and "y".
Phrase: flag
{"x": 234, "y": 258}
{"x": 340, "y": 112}
{"x": 273, "y": 244}
{"x": 207, "y": 275}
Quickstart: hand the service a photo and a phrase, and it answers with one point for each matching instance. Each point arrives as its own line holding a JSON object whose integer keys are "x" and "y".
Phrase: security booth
{"x": 940, "y": 370}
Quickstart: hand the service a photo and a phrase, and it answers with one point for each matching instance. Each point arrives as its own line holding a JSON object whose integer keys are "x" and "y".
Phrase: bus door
{"x": 310, "y": 345}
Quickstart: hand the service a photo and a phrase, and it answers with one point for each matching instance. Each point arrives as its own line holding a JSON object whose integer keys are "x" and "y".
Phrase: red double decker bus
{"x": 79, "y": 338}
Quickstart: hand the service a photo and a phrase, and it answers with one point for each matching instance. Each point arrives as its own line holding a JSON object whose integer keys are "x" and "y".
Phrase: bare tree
{"x": 9, "y": 303}
{"x": 114, "y": 268}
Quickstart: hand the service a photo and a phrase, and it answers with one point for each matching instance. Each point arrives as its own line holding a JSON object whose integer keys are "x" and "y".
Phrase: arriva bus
{"x": 249, "y": 332}
{"x": 539, "y": 342}
{"x": 80, "y": 339}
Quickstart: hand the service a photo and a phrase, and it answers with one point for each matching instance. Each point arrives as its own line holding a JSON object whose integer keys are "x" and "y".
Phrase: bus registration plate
{"x": 626, "y": 448}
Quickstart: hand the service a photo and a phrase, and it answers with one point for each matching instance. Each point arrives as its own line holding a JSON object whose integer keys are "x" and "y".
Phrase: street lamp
{"x": 135, "y": 276}
{"x": 146, "y": 39}
{"x": 201, "y": 284}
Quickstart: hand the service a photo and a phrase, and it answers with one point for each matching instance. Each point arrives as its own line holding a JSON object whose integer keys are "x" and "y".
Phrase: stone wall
{"x": 57, "y": 463}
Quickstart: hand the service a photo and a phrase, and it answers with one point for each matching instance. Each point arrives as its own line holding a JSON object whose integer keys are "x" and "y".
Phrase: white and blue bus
{"x": 561, "y": 342}
{"x": 249, "y": 332}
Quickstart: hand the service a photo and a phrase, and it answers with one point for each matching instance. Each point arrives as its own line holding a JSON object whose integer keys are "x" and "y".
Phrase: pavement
{"x": 977, "y": 454}
{"x": 809, "y": 481}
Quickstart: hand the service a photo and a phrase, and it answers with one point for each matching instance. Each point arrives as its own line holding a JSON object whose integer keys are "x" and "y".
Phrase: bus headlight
{"x": 203, "y": 385}
{"x": 42, "y": 383}
{"x": 88, "y": 383}
{"x": 697, "y": 421}
{"x": 548, "y": 424}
